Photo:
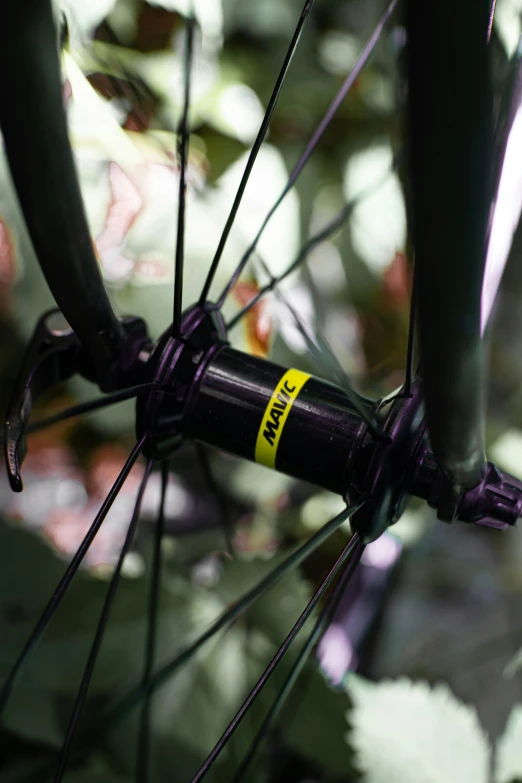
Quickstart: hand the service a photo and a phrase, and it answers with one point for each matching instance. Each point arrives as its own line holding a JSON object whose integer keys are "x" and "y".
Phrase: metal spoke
{"x": 142, "y": 769}
{"x": 100, "y": 630}
{"x": 182, "y": 154}
{"x": 491, "y": 18}
{"x": 217, "y": 494}
{"x": 408, "y": 381}
{"x": 91, "y": 405}
{"x": 87, "y": 407}
{"x": 330, "y": 113}
{"x": 255, "y": 149}
{"x": 325, "y": 358}
{"x": 305, "y": 250}
{"x": 317, "y": 631}
{"x": 346, "y": 553}
{"x": 69, "y": 574}
{"x": 334, "y": 225}
{"x": 134, "y": 696}
{"x": 320, "y": 349}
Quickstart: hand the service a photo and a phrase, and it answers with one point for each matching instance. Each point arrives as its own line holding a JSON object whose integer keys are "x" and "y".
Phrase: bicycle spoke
{"x": 491, "y": 18}
{"x": 321, "y": 352}
{"x": 142, "y": 770}
{"x": 69, "y": 574}
{"x": 255, "y": 149}
{"x": 216, "y": 493}
{"x": 134, "y": 696}
{"x": 325, "y": 358}
{"x": 305, "y": 250}
{"x": 313, "y": 639}
{"x": 334, "y": 225}
{"x": 408, "y": 381}
{"x": 87, "y": 407}
{"x": 330, "y": 113}
{"x": 100, "y": 630}
{"x": 345, "y": 554}
{"x": 91, "y": 405}
{"x": 182, "y": 154}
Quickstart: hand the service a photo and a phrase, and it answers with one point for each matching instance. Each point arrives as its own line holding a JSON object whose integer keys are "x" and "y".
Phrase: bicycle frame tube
{"x": 507, "y": 203}
{"x": 450, "y": 145}
{"x": 42, "y": 166}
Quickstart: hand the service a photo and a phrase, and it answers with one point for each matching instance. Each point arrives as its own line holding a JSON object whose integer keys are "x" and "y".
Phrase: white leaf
{"x": 508, "y": 753}
{"x": 93, "y": 124}
{"x": 279, "y": 242}
{"x": 83, "y": 17}
{"x": 406, "y": 732}
{"x": 209, "y": 14}
{"x": 236, "y": 111}
{"x": 320, "y": 508}
{"x": 339, "y": 51}
{"x": 506, "y": 451}
{"x": 507, "y": 23}
{"x": 378, "y": 224}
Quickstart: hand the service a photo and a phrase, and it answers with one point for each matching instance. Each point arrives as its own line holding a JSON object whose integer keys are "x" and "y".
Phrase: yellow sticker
{"x": 276, "y": 414}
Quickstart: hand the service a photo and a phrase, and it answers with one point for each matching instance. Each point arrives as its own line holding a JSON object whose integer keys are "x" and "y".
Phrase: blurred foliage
{"x": 122, "y": 68}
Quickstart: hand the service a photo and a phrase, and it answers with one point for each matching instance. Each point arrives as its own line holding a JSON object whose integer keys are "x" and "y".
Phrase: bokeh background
{"x": 435, "y": 639}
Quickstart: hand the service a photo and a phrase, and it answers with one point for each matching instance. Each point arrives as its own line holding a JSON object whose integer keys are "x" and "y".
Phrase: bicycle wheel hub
{"x": 302, "y": 426}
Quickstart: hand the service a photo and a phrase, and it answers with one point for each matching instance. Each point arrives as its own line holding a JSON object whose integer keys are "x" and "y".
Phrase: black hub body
{"x": 209, "y": 392}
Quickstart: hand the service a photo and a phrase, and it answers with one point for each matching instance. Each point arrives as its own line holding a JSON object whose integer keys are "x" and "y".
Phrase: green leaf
{"x": 192, "y": 709}
{"x": 513, "y": 665}
{"x": 408, "y": 732}
{"x": 97, "y": 770}
{"x": 312, "y": 723}
{"x": 270, "y": 18}
{"x": 42, "y": 698}
{"x": 275, "y": 613}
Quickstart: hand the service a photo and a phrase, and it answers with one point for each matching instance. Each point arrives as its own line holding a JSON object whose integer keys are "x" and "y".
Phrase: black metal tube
{"x": 33, "y": 124}
{"x": 450, "y": 146}
{"x": 320, "y": 435}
